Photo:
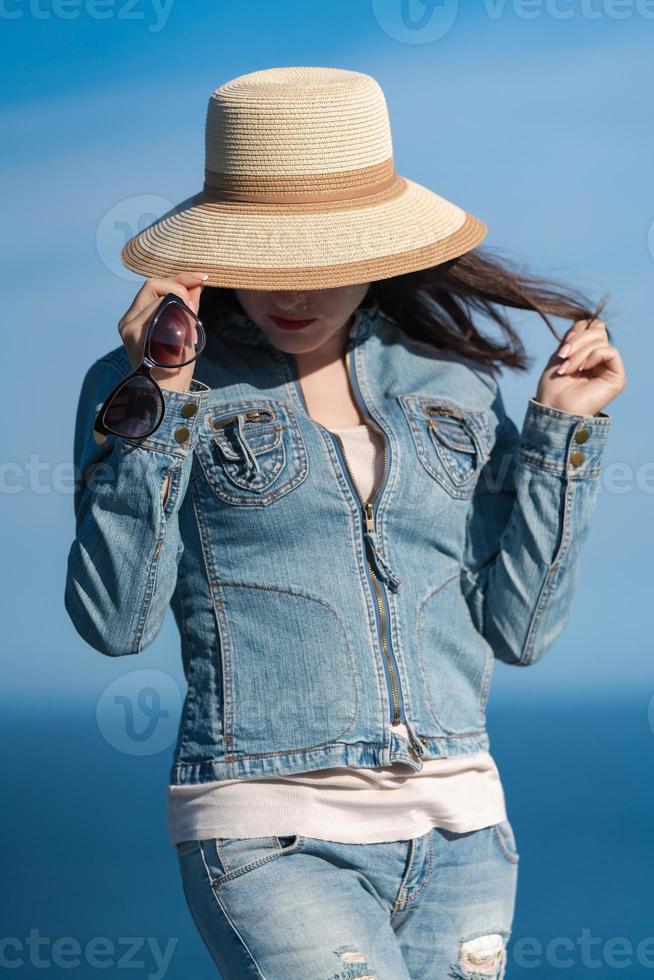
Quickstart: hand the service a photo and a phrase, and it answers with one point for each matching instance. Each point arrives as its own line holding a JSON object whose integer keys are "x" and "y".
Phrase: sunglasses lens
{"x": 176, "y": 337}
{"x": 135, "y": 410}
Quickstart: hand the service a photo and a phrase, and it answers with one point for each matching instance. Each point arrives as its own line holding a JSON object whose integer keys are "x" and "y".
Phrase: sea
{"x": 91, "y": 885}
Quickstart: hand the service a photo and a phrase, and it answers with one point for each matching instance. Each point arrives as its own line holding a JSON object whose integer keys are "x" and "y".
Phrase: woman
{"x": 349, "y": 528}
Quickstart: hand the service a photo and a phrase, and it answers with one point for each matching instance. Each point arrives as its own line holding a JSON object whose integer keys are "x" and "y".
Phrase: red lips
{"x": 285, "y": 324}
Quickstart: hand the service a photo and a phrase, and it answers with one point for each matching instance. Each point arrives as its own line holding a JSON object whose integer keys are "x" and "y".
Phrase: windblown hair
{"x": 438, "y": 305}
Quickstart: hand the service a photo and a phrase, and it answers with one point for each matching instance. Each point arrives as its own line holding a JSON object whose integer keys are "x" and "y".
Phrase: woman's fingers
{"x": 608, "y": 356}
{"x": 592, "y": 368}
{"x": 184, "y": 284}
{"x": 581, "y": 329}
{"x": 583, "y": 335}
{"x": 580, "y": 351}
{"x": 127, "y": 323}
{"x": 132, "y": 325}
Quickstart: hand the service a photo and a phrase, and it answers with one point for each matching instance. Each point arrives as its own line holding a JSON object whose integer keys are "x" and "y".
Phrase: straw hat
{"x": 300, "y": 191}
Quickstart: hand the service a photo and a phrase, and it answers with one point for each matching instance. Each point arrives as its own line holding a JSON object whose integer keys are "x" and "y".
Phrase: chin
{"x": 298, "y": 343}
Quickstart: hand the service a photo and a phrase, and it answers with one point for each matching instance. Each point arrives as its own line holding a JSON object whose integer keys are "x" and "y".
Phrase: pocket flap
{"x": 260, "y": 439}
{"x": 453, "y": 433}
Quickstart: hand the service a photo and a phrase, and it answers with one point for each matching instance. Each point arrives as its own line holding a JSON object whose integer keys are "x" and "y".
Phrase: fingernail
{"x": 561, "y": 370}
{"x": 565, "y": 350}
{"x": 200, "y": 275}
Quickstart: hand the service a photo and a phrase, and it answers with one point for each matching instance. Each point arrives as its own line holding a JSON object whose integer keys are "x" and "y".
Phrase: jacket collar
{"x": 239, "y": 328}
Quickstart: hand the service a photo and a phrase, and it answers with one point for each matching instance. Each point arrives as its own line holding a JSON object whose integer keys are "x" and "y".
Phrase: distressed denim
{"x": 309, "y": 623}
{"x": 434, "y": 907}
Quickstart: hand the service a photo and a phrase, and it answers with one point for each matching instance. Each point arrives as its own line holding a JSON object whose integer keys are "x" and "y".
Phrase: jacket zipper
{"x": 378, "y": 570}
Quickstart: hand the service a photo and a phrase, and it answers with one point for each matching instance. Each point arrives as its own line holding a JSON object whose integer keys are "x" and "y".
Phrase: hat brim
{"x": 262, "y": 246}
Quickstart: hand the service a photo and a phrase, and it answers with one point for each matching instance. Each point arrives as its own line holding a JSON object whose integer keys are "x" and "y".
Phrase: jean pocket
{"x": 452, "y": 442}
{"x": 505, "y": 840}
{"x": 252, "y": 452}
{"x": 231, "y": 857}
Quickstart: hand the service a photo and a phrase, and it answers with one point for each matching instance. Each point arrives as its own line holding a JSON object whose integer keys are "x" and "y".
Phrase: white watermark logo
{"x": 121, "y": 222}
{"x": 569, "y": 9}
{"x": 154, "y": 13}
{"x": 99, "y": 953}
{"x": 43, "y": 476}
{"x": 426, "y": 21}
{"x": 416, "y": 21}
{"x": 138, "y": 712}
{"x": 584, "y": 950}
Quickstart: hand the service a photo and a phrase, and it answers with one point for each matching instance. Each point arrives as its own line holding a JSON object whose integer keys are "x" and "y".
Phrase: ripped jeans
{"x": 284, "y": 908}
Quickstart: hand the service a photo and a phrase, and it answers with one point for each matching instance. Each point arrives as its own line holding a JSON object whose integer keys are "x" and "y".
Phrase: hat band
{"x": 344, "y": 185}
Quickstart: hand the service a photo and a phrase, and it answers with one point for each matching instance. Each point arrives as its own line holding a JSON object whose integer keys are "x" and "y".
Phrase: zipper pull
{"x": 250, "y": 459}
{"x": 416, "y": 749}
{"x": 382, "y": 569}
{"x": 445, "y": 410}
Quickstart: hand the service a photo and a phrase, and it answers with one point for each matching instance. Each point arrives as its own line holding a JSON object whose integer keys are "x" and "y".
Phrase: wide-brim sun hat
{"x": 301, "y": 192}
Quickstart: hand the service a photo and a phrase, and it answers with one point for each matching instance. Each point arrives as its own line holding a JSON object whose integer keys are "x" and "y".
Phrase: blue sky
{"x": 535, "y": 117}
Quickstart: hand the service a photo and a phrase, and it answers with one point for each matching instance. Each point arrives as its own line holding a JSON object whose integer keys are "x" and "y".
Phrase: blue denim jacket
{"x": 310, "y": 620}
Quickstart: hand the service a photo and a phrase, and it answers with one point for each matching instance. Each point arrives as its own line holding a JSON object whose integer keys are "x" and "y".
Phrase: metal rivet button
{"x": 577, "y": 457}
{"x": 581, "y": 435}
{"x": 182, "y": 434}
{"x": 423, "y": 740}
{"x": 189, "y": 410}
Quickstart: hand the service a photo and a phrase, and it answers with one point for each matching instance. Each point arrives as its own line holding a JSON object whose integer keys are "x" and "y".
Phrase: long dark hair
{"x": 438, "y": 305}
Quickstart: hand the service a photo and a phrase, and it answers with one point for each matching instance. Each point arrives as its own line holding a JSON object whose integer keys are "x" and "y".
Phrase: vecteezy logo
{"x": 138, "y": 712}
{"x": 122, "y": 222}
{"x": 415, "y": 21}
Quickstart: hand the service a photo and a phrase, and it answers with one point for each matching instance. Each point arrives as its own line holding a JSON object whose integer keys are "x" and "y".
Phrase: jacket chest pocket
{"x": 452, "y": 443}
{"x": 252, "y": 452}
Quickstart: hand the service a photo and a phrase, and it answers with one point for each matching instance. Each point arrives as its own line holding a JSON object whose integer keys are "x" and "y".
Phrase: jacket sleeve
{"x": 529, "y": 517}
{"x": 122, "y": 565}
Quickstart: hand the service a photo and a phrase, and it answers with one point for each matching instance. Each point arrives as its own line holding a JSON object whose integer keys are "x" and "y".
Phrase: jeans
{"x": 284, "y": 908}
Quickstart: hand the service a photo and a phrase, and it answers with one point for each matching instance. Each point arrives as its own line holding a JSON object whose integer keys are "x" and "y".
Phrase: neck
{"x": 332, "y": 351}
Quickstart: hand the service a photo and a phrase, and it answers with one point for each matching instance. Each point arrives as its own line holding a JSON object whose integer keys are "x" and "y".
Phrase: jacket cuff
{"x": 178, "y": 433}
{"x": 563, "y": 443}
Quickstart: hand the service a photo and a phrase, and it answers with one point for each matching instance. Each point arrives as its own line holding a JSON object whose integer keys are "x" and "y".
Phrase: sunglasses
{"x": 135, "y": 408}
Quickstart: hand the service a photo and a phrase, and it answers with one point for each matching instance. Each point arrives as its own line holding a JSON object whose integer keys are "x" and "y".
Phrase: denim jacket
{"x": 310, "y": 620}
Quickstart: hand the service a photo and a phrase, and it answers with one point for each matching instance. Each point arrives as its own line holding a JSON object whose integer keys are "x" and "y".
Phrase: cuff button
{"x": 189, "y": 409}
{"x": 577, "y": 457}
{"x": 581, "y": 435}
{"x": 182, "y": 434}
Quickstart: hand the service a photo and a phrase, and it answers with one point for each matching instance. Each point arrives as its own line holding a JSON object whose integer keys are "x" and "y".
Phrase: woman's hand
{"x": 132, "y": 325}
{"x": 585, "y": 373}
